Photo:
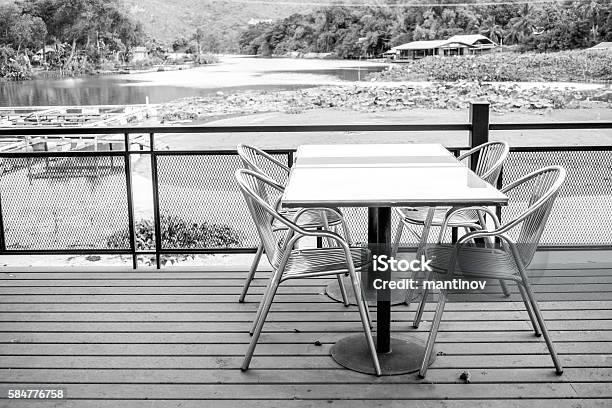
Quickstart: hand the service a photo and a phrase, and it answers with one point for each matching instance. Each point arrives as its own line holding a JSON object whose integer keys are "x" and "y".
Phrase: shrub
{"x": 177, "y": 233}
{"x": 12, "y": 66}
{"x": 206, "y": 59}
{"x": 516, "y": 67}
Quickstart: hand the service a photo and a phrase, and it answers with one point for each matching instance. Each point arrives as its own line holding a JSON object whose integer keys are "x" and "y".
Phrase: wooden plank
{"x": 281, "y": 297}
{"x": 289, "y": 362}
{"x": 238, "y": 281}
{"x": 340, "y": 315}
{"x": 280, "y": 376}
{"x": 542, "y": 292}
{"x": 289, "y": 337}
{"x": 315, "y": 391}
{"x": 289, "y": 326}
{"x": 284, "y": 307}
{"x": 156, "y": 290}
{"x": 565, "y": 292}
{"x": 94, "y": 349}
{"x": 238, "y": 274}
{"x": 316, "y": 403}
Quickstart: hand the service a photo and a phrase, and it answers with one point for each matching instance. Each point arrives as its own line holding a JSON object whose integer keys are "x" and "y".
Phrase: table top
{"x": 384, "y": 175}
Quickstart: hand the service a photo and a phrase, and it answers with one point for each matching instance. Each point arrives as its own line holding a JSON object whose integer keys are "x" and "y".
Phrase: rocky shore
{"x": 369, "y": 97}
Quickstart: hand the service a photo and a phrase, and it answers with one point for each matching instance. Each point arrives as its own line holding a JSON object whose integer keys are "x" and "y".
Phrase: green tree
{"x": 28, "y": 32}
{"x": 491, "y": 29}
{"x": 523, "y": 25}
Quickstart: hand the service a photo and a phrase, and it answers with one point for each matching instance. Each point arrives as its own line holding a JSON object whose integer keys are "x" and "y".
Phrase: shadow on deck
{"x": 175, "y": 338}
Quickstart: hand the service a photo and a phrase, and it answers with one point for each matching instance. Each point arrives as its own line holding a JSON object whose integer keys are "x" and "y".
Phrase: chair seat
{"x": 474, "y": 261}
{"x": 418, "y": 215}
{"x": 309, "y": 219}
{"x": 321, "y": 260}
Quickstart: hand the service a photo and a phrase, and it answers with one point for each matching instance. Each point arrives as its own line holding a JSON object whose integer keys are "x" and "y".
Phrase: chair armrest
{"x": 322, "y": 209}
{"x": 334, "y": 211}
{"x": 455, "y": 210}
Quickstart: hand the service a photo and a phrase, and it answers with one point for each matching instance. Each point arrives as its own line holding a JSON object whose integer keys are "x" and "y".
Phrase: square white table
{"x": 381, "y": 176}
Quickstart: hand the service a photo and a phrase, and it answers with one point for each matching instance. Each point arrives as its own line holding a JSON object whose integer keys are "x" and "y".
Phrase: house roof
{"x": 454, "y": 41}
{"x": 606, "y": 45}
{"x": 470, "y": 39}
{"x": 421, "y": 45}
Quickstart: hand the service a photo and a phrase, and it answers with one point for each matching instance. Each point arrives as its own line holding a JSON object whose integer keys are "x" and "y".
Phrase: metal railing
{"x": 86, "y": 202}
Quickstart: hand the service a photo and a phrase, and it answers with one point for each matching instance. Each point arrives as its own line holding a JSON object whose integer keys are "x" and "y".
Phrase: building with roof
{"x": 456, "y": 45}
{"x": 139, "y": 53}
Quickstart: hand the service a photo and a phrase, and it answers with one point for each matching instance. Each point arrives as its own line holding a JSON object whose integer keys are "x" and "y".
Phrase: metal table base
{"x": 405, "y": 356}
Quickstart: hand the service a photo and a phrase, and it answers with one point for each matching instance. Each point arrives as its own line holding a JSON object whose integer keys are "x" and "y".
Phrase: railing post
{"x": 130, "y": 199}
{"x": 479, "y": 119}
{"x": 2, "y": 238}
{"x": 156, "y": 215}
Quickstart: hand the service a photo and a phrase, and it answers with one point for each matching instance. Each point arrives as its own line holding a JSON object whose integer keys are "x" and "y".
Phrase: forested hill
{"x": 168, "y": 20}
{"x": 351, "y": 32}
{"x": 224, "y": 20}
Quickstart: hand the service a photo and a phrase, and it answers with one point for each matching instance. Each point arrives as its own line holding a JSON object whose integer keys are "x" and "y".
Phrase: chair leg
{"x": 343, "y": 290}
{"x": 365, "y": 321}
{"x": 251, "y": 275}
{"x": 504, "y": 288}
{"x": 261, "y": 305}
{"x": 410, "y": 291}
{"x": 419, "y": 313}
{"x": 261, "y": 320}
{"x": 431, "y": 340}
{"x": 366, "y": 306}
{"x": 397, "y": 239}
{"x": 534, "y": 323}
{"x": 542, "y": 323}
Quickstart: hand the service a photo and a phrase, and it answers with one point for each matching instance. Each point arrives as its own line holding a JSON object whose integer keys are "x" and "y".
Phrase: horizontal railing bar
{"x": 186, "y": 251}
{"x": 74, "y": 153}
{"x": 600, "y": 148}
{"x": 66, "y": 252}
{"x": 122, "y": 153}
{"x": 37, "y": 131}
{"x": 246, "y": 250}
{"x": 550, "y": 125}
{"x": 41, "y": 131}
{"x": 210, "y": 152}
{"x": 574, "y": 247}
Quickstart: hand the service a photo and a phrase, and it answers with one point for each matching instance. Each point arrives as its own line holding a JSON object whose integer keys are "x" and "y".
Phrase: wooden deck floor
{"x": 176, "y": 339}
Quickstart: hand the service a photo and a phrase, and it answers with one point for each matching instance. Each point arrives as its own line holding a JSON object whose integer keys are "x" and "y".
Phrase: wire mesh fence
{"x": 70, "y": 202}
{"x": 200, "y": 205}
{"x": 64, "y": 203}
{"x": 582, "y": 212}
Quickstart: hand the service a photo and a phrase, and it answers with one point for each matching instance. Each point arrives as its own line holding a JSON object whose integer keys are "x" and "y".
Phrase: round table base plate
{"x": 406, "y": 355}
{"x": 333, "y": 291}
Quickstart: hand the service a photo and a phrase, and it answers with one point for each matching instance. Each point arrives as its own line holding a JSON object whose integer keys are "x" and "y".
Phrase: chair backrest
{"x": 490, "y": 158}
{"x": 257, "y": 190}
{"x": 261, "y": 162}
{"x": 537, "y": 192}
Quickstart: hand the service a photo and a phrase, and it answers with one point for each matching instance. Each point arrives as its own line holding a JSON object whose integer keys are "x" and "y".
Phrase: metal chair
{"x": 263, "y": 163}
{"x": 290, "y": 263}
{"x": 506, "y": 261}
{"x": 490, "y": 158}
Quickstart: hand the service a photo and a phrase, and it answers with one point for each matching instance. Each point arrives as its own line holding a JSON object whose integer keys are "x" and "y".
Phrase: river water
{"x": 232, "y": 73}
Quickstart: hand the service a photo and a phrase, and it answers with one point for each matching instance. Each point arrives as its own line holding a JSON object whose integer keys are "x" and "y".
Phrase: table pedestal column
{"x": 397, "y": 355}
